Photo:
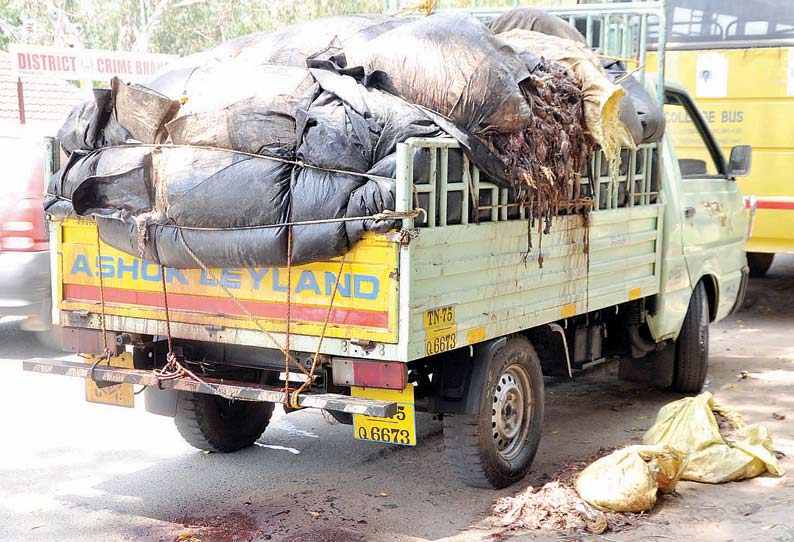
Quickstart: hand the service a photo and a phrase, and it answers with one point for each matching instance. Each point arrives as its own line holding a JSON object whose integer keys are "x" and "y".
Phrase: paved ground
{"x": 70, "y": 470}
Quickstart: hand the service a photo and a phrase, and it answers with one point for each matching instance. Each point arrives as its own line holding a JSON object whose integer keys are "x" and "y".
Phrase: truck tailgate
{"x": 365, "y": 305}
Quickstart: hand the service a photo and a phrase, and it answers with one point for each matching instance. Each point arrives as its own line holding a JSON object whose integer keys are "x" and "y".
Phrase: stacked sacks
{"x": 215, "y": 155}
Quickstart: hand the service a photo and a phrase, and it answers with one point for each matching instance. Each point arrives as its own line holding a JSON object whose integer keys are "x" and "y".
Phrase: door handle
{"x": 689, "y": 212}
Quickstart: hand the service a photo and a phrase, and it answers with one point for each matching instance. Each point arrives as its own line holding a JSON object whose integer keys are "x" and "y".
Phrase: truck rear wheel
{"x": 692, "y": 346}
{"x": 216, "y": 424}
{"x": 759, "y": 263}
{"x": 496, "y": 447}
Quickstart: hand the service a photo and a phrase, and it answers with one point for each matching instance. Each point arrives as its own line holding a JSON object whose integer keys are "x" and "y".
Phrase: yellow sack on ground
{"x": 627, "y": 479}
{"x": 601, "y": 97}
{"x": 689, "y": 424}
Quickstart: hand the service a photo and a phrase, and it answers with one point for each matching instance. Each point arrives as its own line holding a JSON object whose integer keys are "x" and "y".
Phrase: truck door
{"x": 711, "y": 205}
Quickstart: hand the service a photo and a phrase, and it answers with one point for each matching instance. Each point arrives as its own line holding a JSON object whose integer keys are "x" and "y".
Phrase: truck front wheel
{"x": 495, "y": 448}
{"x": 692, "y": 346}
{"x": 216, "y": 424}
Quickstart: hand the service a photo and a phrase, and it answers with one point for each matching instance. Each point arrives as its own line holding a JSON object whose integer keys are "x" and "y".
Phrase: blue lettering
{"x": 230, "y": 278}
{"x": 307, "y": 282}
{"x": 207, "y": 281}
{"x": 257, "y": 275}
{"x": 80, "y": 265}
{"x": 276, "y": 286}
{"x": 132, "y": 268}
{"x": 148, "y": 275}
{"x": 107, "y": 269}
{"x": 359, "y": 281}
{"x": 171, "y": 274}
{"x": 344, "y": 284}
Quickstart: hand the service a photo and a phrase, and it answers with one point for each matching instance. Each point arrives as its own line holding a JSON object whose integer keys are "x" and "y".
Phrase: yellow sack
{"x": 689, "y": 424}
{"x": 601, "y": 97}
{"x": 627, "y": 479}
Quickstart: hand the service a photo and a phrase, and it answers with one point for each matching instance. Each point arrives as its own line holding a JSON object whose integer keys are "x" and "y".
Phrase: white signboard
{"x": 712, "y": 76}
{"x": 85, "y": 64}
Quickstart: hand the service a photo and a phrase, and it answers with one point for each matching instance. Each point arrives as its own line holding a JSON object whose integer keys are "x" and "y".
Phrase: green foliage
{"x": 172, "y": 26}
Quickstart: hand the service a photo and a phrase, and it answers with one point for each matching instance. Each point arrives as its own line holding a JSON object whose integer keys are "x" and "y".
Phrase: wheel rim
{"x": 511, "y": 411}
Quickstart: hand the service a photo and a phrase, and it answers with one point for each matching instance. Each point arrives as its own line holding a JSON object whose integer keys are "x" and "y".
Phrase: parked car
{"x": 24, "y": 247}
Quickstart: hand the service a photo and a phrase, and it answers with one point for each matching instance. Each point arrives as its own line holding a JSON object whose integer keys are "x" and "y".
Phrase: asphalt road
{"x": 71, "y": 470}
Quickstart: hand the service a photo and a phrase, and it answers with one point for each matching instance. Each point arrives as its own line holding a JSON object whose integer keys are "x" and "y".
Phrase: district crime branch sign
{"x": 85, "y": 64}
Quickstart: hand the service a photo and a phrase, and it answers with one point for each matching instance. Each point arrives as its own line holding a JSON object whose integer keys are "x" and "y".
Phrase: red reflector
{"x": 380, "y": 374}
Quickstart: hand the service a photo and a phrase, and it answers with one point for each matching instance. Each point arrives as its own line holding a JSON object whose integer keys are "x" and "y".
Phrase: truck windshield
{"x": 697, "y": 24}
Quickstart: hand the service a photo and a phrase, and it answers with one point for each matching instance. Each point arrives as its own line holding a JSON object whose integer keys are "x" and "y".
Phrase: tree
{"x": 163, "y": 26}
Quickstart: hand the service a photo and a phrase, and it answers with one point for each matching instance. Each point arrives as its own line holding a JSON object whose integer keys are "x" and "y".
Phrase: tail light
{"x": 390, "y": 375}
{"x": 22, "y": 228}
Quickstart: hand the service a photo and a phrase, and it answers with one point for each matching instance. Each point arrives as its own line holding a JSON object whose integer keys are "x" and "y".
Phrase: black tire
{"x": 473, "y": 443}
{"x": 759, "y": 263}
{"x": 216, "y": 424}
{"x": 692, "y": 346}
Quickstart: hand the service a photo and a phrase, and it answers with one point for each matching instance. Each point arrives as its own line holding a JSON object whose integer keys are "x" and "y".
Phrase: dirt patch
{"x": 232, "y": 527}
{"x": 327, "y": 535}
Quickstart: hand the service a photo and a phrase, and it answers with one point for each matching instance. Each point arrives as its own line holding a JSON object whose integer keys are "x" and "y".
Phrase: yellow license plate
{"x": 441, "y": 330}
{"x": 399, "y": 429}
{"x": 117, "y": 394}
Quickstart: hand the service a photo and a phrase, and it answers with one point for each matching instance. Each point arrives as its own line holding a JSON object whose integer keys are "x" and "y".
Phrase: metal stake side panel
{"x": 481, "y": 271}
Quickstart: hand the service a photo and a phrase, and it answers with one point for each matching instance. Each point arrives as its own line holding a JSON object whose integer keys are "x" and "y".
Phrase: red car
{"x": 24, "y": 247}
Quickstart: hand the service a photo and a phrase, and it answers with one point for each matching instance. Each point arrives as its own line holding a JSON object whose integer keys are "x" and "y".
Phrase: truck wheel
{"x": 216, "y": 424}
{"x": 692, "y": 346}
{"x": 759, "y": 263}
{"x": 496, "y": 447}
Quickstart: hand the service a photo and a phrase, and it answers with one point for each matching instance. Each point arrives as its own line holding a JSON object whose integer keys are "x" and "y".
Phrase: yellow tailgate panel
{"x": 756, "y": 109}
{"x": 365, "y": 305}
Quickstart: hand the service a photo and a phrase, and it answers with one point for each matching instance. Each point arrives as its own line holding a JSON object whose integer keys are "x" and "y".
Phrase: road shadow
{"x": 18, "y": 344}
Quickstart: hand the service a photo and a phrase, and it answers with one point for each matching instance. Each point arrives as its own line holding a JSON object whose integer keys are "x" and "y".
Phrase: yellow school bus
{"x": 736, "y": 57}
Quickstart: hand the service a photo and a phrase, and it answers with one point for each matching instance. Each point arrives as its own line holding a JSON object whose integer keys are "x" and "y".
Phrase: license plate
{"x": 115, "y": 394}
{"x": 399, "y": 429}
{"x": 441, "y": 331}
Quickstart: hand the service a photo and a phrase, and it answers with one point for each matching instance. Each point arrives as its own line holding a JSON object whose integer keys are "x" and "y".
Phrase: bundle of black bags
{"x": 225, "y": 148}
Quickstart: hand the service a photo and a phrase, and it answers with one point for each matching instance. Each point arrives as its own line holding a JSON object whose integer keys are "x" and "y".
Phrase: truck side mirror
{"x": 740, "y": 160}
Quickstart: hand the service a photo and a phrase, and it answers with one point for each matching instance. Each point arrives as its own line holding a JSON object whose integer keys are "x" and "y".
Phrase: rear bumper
{"x": 242, "y": 391}
{"x": 737, "y": 305}
{"x": 24, "y": 283}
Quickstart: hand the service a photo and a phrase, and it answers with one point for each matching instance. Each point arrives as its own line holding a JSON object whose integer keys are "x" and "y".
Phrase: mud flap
{"x": 160, "y": 402}
{"x": 655, "y": 368}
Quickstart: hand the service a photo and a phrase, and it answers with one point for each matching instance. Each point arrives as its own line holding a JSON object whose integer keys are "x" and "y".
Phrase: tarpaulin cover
{"x": 454, "y": 65}
{"x": 215, "y": 155}
{"x": 536, "y": 20}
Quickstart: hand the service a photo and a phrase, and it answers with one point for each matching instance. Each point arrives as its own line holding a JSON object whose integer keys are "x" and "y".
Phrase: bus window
{"x": 727, "y": 23}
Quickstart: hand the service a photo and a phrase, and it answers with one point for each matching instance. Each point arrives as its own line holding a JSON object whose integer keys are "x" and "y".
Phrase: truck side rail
{"x": 466, "y": 196}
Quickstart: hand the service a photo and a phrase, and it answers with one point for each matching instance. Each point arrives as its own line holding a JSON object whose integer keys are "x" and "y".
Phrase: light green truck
{"x": 453, "y": 315}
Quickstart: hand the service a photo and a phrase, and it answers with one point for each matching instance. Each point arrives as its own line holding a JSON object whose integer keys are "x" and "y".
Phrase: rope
{"x": 167, "y": 317}
{"x": 289, "y": 313}
{"x": 426, "y": 6}
{"x": 240, "y": 306}
{"x": 386, "y": 214}
{"x": 106, "y": 353}
{"x": 299, "y": 163}
{"x": 383, "y": 215}
{"x": 293, "y": 400}
{"x": 173, "y": 369}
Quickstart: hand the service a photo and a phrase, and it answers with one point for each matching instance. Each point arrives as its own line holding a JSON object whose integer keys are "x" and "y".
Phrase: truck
{"x": 460, "y": 312}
